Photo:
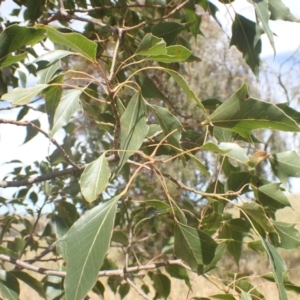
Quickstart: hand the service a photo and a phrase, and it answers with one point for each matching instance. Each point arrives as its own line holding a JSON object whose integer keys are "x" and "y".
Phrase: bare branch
{"x": 53, "y": 141}
{"x": 117, "y": 272}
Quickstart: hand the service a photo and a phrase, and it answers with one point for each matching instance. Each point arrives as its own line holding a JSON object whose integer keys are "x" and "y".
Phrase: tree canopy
{"x": 137, "y": 159}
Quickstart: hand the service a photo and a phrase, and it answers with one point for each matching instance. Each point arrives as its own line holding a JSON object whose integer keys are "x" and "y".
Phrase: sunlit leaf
{"x": 289, "y": 237}
{"x": 45, "y": 75}
{"x": 68, "y": 105}
{"x": 285, "y": 165}
{"x": 279, "y": 11}
{"x": 94, "y": 179}
{"x": 21, "y": 96}
{"x": 242, "y": 115}
{"x": 151, "y": 46}
{"x": 175, "y": 53}
{"x": 15, "y": 37}
{"x": 75, "y": 41}
{"x": 278, "y": 267}
{"x": 90, "y": 236}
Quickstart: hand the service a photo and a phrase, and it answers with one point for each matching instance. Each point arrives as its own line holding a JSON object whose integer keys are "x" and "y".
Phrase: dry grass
{"x": 201, "y": 287}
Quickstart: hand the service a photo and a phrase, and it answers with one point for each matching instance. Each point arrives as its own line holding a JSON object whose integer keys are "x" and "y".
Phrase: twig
{"x": 113, "y": 63}
{"x": 117, "y": 272}
{"x": 49, "y": 176}
{"x": 139, "y": 291}
{"x": 53, "y": 141}
{"x": 41, "y": 178}
{"x": 42, "y": 254}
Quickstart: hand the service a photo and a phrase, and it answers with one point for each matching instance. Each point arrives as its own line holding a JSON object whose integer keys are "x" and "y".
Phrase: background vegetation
{"x": 162, "y": 162}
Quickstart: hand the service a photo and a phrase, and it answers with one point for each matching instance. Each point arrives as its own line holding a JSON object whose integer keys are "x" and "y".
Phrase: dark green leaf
{"x": 32, "y": 132}
{"x": 289, "y": 236}
{"x": 179, "y": 272}
{"x": 11, "y": 59}
{"x": 124, "y": 290}
{"x": 246, "y": 37}
{"x": 168, "y": 123}
{"x": 9, "y": 286}
{"x": 162, "y": 285}
{"x": 167, "y": 30}
{"x": 193, "y": 246}
{"x": 133, "y": 127}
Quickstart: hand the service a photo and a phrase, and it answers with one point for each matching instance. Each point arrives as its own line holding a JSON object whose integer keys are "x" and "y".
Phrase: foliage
{"x": 135, "y": 169}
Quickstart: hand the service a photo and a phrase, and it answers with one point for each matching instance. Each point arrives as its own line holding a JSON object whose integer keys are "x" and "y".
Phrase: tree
{"x": 137, "y": 169}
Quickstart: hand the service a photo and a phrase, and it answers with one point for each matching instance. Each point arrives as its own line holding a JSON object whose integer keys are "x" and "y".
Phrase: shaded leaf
{"x": 9, "y": 286}
{"x": 246, "y": 37}
{"x": 179, "y": 272}
{"x": 162, "y": 285}
{"x": 32, "y": 132}
{"x": 133, "y": 127}
{"x": 68, "y": 105}
{"x": 168, "y": 123}
{"x": 90, "y": 236}
{"x": 21, "y": 96}
{"x": 167, "y": 30}
{"x": 148, "y": 88}
{"x": 289, "y": 236}
{"x": 95, "y": 178}
{"x": 193, "y": 246}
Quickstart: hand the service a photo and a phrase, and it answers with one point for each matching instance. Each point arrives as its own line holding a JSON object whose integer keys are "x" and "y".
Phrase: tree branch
{"x": 117, "y": 272}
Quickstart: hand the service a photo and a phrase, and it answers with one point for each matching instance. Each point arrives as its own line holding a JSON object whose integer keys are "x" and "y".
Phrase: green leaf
{"x": 271, "y": 196}
{"x": 95, "y": 178}
{"x": 245, "y": 296}
{"x": 200, "y": 165}
{"x": 193, "y": 246}
{"x": 151, "y": 46}
{"x": 285, "y": 164}
{"x": 279, "y": 11}
{"x": 242, "y": 115}
{"x": 11, "y": 59}
{"x": 167, "y": 30}
{"x": 223, "y": 297}
{"x": 75, "y": 41}
{"x": 124, "y": 289}
{"x": 68, "y": 105}
{"x": 289, "y": 236}
{"x": 120, "y": 237}
{"x": 256, "y": 212}
{"x": 15, "y": 37}
{"x": 193, "y": 21}
{"x": 9, "y": 286}
{"x": 175, "y": 53}
{"x": 30, "y": 281}
{"x": 246, "y": 37}
{"x": 262, "y": 14}
{"x": 292, "y": 113}
{"x": 185, "y": 87}
{"x": 233, "y": 232}
{"x": 84, "y": 248}
{"x": 148, "y": 88}
{"x": 179, "y": 272}
{"x": 238, "y": 180}
{"x": 45, "y": 75}
{"x": 231, "y": 150}
{"x": 32, "y": 132}
{"x": 162, "y": 285}
{"x": 53, "y": 287}
{"x": 23, "y": 96}
{"x": 168, "y": 123}
{"x": 278, "y": 267}
{"x": 51, "y": 57}
{"x": 133, "y": 127}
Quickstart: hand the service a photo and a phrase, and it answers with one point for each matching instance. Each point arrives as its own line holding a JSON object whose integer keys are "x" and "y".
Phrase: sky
{"x": 286, "y": 41}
